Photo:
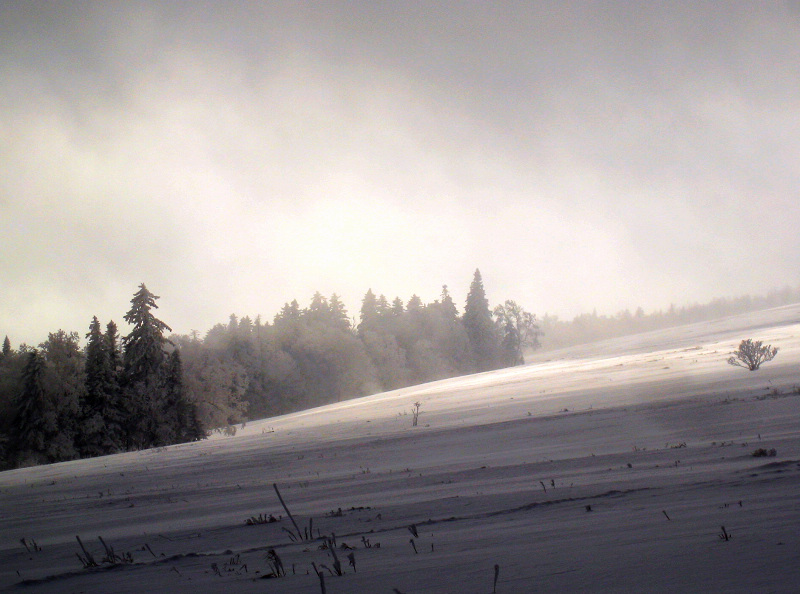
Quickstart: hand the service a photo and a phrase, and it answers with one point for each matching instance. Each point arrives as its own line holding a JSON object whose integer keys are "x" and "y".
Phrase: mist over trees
{"x": 60, "y": 401}
{"x": 556, "y": 333}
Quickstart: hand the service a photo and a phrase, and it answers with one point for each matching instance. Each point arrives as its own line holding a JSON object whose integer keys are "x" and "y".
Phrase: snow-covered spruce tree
{"x": 159, "y": 411}
{"x": 144, "y": 373}
{"x": 100, "y": 432}
{"x": 369, "y": 313}
{"x": 35, "y": 415}
{"x": 143, "y": 348}
{"x": 448, "y": 306}
{"x": 480, "y": 328}
{"x": 115, "y": 413}
{"x": 63, "y": 384}
{"x": 92, "y": 423}
{"x": 181, "y": 413}
{"x": 338, "y": 314}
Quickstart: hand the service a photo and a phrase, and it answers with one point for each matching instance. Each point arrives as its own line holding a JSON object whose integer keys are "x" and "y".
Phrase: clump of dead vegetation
{"x": 111, "y": 557}
{"x": 764, "y": 453}
{"x": 261, "y": 519}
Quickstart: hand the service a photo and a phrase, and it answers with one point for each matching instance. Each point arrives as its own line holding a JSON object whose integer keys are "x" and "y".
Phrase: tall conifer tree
{"x": 480, "y": 329}
{"x": 92, "y": 435}
{"x": 36, "y": 419}
{"x": 143, "y": 348}
{"x": 369, "y": 312}
{"x": 115, "y": 413}
{"x": 179, "y": 410}
{"x": 144, "y": 375}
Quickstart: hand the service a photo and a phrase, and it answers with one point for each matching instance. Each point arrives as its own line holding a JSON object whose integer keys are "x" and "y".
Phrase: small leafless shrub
{"x": 764, "y": 453}
{"x": 415, "y": 414}
{"x": 751, "y": 355}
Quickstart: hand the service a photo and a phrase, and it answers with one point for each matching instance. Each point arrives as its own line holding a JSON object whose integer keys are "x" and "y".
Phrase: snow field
{"x": 653, "y": 432}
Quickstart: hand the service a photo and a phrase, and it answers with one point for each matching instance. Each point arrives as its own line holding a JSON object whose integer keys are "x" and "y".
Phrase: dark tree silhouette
{"x": 91, "y": 439}
{"x": 519, "y": 330}
{"x": 144, "y": 371}
{"x": 369, "y": 313}
{"x": 36, "y": 420}
{"x": 143, "y": 348}
{"x": 479, "y": 326}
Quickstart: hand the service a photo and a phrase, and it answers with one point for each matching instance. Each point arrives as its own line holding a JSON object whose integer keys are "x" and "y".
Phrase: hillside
{"x": 605, "y": 467}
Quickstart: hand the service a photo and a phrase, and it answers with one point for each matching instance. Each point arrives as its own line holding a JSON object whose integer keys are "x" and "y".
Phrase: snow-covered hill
{"x": 605, "y": 467}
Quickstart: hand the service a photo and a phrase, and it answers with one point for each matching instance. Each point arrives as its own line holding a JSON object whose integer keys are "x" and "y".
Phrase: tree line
{"x": 60, "y": 401}
{"x": 585, "y": 328}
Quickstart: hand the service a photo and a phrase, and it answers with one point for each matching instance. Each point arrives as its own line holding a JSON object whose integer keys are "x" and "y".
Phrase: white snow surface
{"x": 609, "y": 467}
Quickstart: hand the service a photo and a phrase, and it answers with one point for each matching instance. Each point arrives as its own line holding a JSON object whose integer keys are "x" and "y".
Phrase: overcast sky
{"x": 234, "y": 156}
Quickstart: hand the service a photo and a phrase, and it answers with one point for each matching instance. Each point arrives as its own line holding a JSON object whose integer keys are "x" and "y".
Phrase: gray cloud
{"x": 235, "y": 156}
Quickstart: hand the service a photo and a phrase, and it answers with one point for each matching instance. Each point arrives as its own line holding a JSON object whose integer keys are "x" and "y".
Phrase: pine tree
{"x": 382, "y": 305}
{"x": 144, "y": 364}
{"x": 338, "y": 313}
{"x": 397, "y": 307}
{"x": 448, "y": 306}
{"x": 289, "y": 311}
{"x": 64, "y": 385}
{"x": 369, "y": 312}
{"x": 414, "y": 304}
{"x": 92, "y": 434}
{"x": 6, "y": 347}
{"x": 318, "y": 309}
{"x": 116, "y": 410}
{"x": 143, "y": 348}
{"x": 479, "y": 326}
{"x": 101, "y": 407}
{"x": 183, "y": 423}
{"x": 36, "y": 417}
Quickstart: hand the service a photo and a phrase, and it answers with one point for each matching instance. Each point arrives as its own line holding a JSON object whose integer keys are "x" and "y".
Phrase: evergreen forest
{"x": 152, "y": 387}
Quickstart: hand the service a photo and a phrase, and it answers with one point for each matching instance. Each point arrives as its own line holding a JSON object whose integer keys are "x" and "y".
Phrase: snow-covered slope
{"x": 606, "y": 467}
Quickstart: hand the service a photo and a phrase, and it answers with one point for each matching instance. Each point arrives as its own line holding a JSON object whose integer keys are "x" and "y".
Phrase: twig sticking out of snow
{"x": 288, "y": 513}
{"x": 87, "y": 559}
{"x": 321, "y": 577}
